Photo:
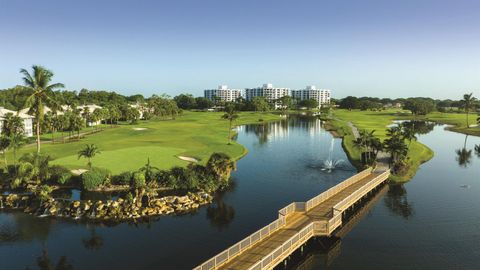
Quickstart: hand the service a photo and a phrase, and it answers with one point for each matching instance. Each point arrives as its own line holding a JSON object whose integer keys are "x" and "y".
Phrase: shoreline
{"x": 342, "y": 128}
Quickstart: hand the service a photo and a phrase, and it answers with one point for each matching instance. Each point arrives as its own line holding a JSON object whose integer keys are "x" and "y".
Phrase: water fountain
{"x": 330, "y": 164}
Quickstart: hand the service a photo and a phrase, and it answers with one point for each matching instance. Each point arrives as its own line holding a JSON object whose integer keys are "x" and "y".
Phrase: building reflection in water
{"x": 320, "y": 252}
{"x": 271, "y": 131}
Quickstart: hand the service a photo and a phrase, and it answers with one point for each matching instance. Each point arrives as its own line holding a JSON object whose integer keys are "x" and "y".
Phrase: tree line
{"x": 417, "y": 105}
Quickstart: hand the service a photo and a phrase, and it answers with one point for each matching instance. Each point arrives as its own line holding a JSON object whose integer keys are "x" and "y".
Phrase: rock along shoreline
{"x": 107, "y": 210}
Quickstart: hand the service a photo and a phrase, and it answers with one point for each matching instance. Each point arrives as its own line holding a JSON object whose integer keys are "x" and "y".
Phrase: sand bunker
{"x": 189, "y": 159}
{"x": 78, "y": 171}
{"x": 139, "y": 129}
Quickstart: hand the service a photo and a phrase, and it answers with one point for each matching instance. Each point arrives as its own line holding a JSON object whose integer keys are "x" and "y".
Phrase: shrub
{"x": 184, "y": 178}
{"x": 94, "y": 178}
{"x": 124, "y": 178}
{"x": 138, "y": 180}
{"x": 163, "y": 178}
{"x": 60, "y": 175}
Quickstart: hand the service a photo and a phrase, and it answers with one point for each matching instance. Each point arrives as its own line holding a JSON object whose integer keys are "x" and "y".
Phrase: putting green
{"x": 128, "y": 159}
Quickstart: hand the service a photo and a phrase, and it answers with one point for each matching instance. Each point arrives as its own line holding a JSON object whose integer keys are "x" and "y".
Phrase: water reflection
{"x": 464, "y": 155}
{"x": 45, "y": 263}
{"x": 397, "y": 202}
{"x": 281, "y": 129}
{"x": 320, "y": 252}
{"x": 419, "y": 127}
{"x": 94, "y": 242}
{"x": 20, "y": 227}
{"x": 220, "y": 214}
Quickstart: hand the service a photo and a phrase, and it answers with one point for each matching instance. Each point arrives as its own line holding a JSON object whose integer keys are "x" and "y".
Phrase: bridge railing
{"x": 350, "y": 199}
{"x": 334, "y": 190}
{"x": 287, "y": 246}
{"x": 291, "y": 208}
{"x": 266, "y": 231}
{"x": 247, "y": 242}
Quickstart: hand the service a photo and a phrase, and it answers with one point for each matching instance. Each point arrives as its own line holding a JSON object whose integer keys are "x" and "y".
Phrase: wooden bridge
{"x": 296, "y": 224}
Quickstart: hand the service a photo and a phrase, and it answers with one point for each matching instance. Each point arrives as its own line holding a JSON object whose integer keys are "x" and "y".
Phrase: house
{"x": 141, "y": 108}
{"x": 86, "y": 110}
{"x": 27, "y": 121}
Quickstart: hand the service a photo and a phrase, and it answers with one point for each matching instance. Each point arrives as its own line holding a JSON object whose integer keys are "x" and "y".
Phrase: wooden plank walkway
{"x": 297, "y": 223}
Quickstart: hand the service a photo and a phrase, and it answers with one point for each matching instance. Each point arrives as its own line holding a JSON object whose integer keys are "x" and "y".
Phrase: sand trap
{"x": 78, "y": 171}
{"x": 138, "y": 129}
{"x": 189, "y": 159}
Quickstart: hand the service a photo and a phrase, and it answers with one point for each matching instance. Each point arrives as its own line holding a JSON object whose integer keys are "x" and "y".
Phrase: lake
{"x": 431, "y": 222}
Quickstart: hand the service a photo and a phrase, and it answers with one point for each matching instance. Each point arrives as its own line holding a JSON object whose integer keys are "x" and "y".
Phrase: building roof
{"x": 22, "y": 115}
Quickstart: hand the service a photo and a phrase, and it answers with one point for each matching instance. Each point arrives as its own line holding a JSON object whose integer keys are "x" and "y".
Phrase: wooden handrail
{"x": 266, "y": 231}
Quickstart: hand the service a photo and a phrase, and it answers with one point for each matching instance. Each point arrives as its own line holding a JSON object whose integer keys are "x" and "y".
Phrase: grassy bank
{"x": 458, "y": 122}
{"x": 378, "y": 121}
{"x": 127, "y": 147}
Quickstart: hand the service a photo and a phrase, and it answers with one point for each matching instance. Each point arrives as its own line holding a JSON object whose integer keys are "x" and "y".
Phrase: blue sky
{"x": 370, "y": 47}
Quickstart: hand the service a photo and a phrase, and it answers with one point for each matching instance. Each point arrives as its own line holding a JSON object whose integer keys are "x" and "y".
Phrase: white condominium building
{"x": 270, "y": 93}
{"x": 311, "y": 92}
{"x": 27, "y": 121}
{"x": 223, "y": 93}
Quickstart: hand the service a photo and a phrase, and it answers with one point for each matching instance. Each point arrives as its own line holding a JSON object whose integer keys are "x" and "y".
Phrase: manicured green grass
{"x": 457, "y": 120}
{"x": 193, "y": 134}
{"x": 379, "y": 121}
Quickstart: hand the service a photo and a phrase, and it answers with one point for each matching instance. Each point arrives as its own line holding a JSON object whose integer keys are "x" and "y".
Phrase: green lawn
{"x": 457, "y": 120}
{"x": 378, "y": 121}
{"x": 193, "y": 134}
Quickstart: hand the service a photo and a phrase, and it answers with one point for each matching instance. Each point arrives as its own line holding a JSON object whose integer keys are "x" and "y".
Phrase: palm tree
{"x": 39, "y": 164}
{"x": 221, "y": 165}
{"x": 468, "y": 100}
{"x": 231, "y": 115}
{"x": 4, "y": 145}
{"x": 408, "y": 132}
{"x": 97, "y": 115}
{"x": 395, "y": 144}
{"x": 149, "y": 171}
{"x": 39, "y": 84}
{"x": 13, "y": 130}
{"x": 49, "y": 124}
{"x": 89, "y": 152}
{"x": 16, "y": 141}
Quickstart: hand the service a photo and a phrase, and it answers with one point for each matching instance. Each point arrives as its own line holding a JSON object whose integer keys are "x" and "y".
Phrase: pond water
{"x": 431, "y": 222}
{"x": 284, "y": 164}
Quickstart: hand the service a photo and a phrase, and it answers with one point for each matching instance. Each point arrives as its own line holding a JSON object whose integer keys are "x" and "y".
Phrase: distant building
{"x": 223, "y": 93}
{"x": 27, "y": 121}
{"x": 141, "y": 108}
{"x": 311, "y": 92}
{"x": 270, "y": 93}
{"x": 84, "y": 109}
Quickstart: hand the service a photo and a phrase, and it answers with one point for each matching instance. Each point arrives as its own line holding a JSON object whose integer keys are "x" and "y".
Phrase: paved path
{"x": 383, "y": 158}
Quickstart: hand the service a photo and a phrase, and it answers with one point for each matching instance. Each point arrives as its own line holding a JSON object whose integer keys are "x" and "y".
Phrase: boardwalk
{"x": 297, "y": 223}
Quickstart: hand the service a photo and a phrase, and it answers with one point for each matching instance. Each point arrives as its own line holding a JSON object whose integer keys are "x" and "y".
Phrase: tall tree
{"x": 13, "y": 130}
{"x": 4, "y": 145}
{"x": 468, "y": 101}
{"x": 221, "y": 165}
{"x": 39, "y": 84}
{"x": 231, "y": 115}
